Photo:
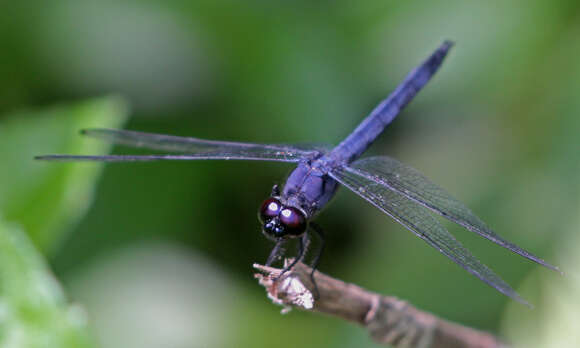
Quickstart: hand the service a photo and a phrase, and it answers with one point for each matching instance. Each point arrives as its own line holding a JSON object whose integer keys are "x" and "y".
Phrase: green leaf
{"x": 33, "y": 309}
{"x": 554, "y": 320}
{"x": 48, "y": 198}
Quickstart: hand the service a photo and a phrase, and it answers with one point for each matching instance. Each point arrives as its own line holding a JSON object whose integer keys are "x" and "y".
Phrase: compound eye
{"x": 293, "y": 220}
{"x": 270, "y": 209}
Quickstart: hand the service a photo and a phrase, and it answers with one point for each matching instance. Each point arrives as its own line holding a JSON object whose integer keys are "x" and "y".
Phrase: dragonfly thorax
{"x": 309, "y": 188}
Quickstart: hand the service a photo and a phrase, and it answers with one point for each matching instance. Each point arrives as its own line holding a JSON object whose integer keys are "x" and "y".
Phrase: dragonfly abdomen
{"x": 383, "y": 114}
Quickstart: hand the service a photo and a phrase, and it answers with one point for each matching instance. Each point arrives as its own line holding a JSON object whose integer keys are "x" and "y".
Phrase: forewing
{"x": 418, "y": 220}
{"x": 410, "y": 183}
{"x": 191, "y": 148}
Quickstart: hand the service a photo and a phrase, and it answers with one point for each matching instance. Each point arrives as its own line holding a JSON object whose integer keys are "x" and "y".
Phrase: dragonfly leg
{"x": 275, "y": 191}
{"x": 275, "y": 253}
{"x": 318, "y": 230}
{"x": 302, "y": 245}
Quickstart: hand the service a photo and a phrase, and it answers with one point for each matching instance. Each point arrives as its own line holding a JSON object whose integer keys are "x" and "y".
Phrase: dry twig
{"x": 388, "y": 319}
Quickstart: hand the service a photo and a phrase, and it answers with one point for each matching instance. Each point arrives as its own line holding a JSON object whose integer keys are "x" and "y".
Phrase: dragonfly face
{"x": 281, "y": 222}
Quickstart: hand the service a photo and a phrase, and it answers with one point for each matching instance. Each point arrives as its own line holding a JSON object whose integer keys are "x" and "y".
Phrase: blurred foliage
{"x": 554, "y": 323}
{"x": 46, "y": 200}
{"x": 33, "y": 309}
{"x": 498, "y": 127}
{"x": 42, "y": 203}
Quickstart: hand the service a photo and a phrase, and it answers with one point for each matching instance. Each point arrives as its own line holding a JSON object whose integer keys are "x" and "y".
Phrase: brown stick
{"x": 390, "y": 321}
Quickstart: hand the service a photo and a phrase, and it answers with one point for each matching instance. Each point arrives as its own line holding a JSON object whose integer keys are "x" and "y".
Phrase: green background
{"x": 160, "y": 254}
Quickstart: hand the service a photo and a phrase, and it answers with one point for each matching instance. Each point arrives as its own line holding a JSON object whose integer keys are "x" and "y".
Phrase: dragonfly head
{"x": 281, "y": 222}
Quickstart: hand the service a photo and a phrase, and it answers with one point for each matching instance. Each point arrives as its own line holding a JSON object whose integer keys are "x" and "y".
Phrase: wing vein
{"x": 408, "y": 182}
{"x": 417, "y": 219}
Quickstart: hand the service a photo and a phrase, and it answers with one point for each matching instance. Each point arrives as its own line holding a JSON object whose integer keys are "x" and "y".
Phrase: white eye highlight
{"x": 286, "y": 213}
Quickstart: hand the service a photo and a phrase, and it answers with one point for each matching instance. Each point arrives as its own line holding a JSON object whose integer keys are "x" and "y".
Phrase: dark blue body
{"x": 396, "y": 189}
{"x": 309, "y": 187}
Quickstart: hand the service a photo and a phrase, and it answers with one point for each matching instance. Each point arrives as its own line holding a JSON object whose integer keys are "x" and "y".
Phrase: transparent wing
{"x": 418, "y": 220}
{"x": 192, "y": 148}
{"x": 410, "y": 183}
{"x": 147, "y": 158}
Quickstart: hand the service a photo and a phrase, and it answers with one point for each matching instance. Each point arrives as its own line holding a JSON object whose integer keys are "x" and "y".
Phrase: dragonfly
{"x": 393, "y": 187}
